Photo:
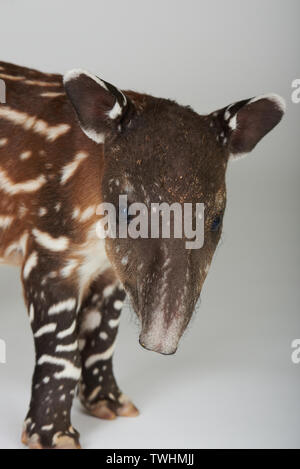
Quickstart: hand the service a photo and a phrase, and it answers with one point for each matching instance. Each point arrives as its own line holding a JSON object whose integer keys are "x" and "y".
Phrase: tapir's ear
{"x": 242, "y": 125}
{"x": 101, "y": 107}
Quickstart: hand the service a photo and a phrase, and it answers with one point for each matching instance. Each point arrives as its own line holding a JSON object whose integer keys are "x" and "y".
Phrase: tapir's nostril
{"x": 142, "y": 344}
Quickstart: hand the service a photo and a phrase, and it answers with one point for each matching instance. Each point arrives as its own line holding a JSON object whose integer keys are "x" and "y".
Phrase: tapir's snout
{"x": 160, "y": 333}
{"x": 163, "y": 346}
{"x": 165, "y": 298}
{"x": 160, "y": 348}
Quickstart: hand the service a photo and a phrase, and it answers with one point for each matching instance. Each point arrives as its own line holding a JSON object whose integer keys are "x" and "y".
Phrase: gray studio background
{"x": 232, "y": 382}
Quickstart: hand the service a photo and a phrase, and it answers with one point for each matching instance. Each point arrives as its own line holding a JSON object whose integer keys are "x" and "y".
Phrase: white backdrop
{"x": 232, "y": 383}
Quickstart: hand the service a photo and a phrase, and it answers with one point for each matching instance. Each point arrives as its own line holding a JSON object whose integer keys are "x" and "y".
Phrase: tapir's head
{"x": 159, "y": 152}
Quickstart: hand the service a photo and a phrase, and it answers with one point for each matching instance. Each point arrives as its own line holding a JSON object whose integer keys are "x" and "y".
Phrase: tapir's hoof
{"x": 103, "y": 411}
{"x": 32, "y": 443}
{"x": 128, "y": 410}
{"x": 61, "y": 441}
{"x": 109, "y": 409}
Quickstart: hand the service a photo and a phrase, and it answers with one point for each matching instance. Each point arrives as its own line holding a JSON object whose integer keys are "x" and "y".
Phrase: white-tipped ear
{"x": 100, "y": 106}
{"x": 275, "y": 98}
{"x": 240, "y": 126}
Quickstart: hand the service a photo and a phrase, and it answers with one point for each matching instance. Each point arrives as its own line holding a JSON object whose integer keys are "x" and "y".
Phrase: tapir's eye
{"x": 216, "y": 222}
{"x": 122, "y": 215}
{"x": 123, "y": 212}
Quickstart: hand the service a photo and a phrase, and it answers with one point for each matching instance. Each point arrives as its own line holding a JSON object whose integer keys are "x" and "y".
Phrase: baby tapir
{"x": 66, "y": 145}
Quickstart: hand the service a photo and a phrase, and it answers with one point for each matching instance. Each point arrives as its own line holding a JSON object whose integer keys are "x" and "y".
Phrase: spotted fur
{"x": 66, "y": 146}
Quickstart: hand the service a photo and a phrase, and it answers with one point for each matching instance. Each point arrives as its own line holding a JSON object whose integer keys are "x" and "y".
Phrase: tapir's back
{"x": 29, "y": 91}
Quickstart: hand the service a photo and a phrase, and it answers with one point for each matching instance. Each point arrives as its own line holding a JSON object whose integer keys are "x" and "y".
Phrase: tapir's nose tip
{"x": 158, "y": 348}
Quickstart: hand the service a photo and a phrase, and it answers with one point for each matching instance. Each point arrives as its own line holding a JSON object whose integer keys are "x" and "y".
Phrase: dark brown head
{"x": 159, "y": 152}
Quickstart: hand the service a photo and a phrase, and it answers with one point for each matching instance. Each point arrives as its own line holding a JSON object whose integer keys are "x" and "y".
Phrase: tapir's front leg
{"x": 100, "y": 317}
{"x": 52, "y": 304}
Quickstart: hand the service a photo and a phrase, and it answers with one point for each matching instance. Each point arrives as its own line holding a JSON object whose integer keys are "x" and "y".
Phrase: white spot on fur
{"x": 51, "y": 94}
{"x": 118, "y": 305}
{"x": 13, "y": 188}
{"x": 124, "y": 260}
{"x": 47, "y": 241}
{"x": 91, "y": 321}
{"x": 5, "y": 221}
{"x": 81, "y": 344}
{"x": 95, "y": 136}
{"x": 17, "y": 250}
{"x": 69, "y": 268}
{"x": 67, "y": 332}
{"x": 69, "y": 370}
{"x": 6, "y": 76}
{"x": 108, "y": 291}
{"x": 100, "y": 356}
{"x": 103, "y": 335}
{"x": 233, "y": 122}
{"x": 22, "y": 210}
{"x": 42, "y": 211}
{"x": 94, "y": 260}
{"x": 25, "y": 155}
{"x": 47, "y": 428}
{"x": 87, "y": 213}
{"x": 47, "y": 329}
{"x": 115, "y": 112}
{"x": 33, "y": 124}
{"x": 3, "y": 142}
{"x": 62, "y": 306}
{"x": 67, "y": 348}
{"x": 31, "y": 313}
{"x": 42, "y": 83}
{"x": 76, "y": 212}
{"x": 237, "y": 156}
{"x": 69, "y": 169}
{"x": 93, "y": 395}
{"x": 114, "y": 322}
{"x": 30, "y": 264}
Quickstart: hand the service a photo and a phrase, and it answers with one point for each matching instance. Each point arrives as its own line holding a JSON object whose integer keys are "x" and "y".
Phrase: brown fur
{"x": 52, "y": 178}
